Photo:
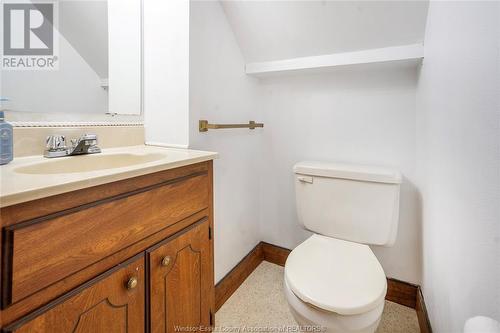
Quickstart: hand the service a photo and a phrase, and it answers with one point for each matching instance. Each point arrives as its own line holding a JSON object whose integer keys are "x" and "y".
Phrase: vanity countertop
{"x": 34, "y": 177}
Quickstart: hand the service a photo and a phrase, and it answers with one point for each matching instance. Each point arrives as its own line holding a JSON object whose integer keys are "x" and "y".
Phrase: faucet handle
{"x": 90, "y": 139}
{"x": 55, "y": 142}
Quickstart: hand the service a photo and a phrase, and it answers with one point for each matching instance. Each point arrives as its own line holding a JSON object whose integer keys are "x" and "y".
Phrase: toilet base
{"x": 313, "y": 318}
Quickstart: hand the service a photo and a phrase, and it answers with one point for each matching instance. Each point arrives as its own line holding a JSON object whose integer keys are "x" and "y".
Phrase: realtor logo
{"x": 29, "y": 36}
{"x": 28, "y": 29}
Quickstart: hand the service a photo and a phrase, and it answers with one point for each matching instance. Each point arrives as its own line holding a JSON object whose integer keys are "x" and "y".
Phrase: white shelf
{"x": 387, "y": 54}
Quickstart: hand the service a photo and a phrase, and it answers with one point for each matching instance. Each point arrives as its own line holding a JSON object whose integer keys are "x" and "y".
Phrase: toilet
{"x": 333, "y": 281}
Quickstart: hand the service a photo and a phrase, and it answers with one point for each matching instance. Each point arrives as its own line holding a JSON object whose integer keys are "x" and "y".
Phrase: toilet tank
{"x": 352, "y": 202}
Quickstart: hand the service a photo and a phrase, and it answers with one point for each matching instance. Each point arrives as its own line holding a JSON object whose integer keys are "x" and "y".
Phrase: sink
{"x": 87, "y": 163}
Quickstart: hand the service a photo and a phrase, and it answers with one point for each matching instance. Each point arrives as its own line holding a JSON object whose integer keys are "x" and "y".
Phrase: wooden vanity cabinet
{"x": 130, "y": 256}
{"x": 181, "y": 281}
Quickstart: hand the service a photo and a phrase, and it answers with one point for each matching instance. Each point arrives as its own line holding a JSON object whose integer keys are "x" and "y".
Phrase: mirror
{"x": 96, "y": 55}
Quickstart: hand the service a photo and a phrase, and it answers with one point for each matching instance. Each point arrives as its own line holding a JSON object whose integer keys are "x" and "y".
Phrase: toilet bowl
{"x": 335, "y": 285}
{"x": 333, "y": 281}
{"x": 326, "y": 321}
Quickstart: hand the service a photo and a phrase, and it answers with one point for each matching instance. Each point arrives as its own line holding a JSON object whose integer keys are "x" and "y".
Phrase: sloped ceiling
{"x": 274, "y": 30}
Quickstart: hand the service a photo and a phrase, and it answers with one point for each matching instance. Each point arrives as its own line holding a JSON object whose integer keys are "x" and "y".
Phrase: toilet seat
{"x": 336, "y": 275}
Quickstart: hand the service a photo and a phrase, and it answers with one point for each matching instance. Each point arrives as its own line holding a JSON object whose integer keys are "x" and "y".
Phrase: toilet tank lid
{"x": 348, "y": 171}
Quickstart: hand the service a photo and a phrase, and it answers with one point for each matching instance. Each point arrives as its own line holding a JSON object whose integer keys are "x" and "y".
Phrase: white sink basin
{"x": 87, "y": 163}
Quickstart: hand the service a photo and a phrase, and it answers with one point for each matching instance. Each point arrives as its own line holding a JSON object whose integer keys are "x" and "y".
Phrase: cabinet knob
{"x": 165, "y": 261}
{"x": 132, "y": 283}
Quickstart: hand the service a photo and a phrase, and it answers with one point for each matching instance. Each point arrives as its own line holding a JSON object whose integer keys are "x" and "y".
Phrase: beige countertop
{"x": 34, "y": 177}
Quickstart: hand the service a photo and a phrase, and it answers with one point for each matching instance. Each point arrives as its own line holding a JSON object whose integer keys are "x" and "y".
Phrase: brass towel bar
{"x": 205, "y": 126}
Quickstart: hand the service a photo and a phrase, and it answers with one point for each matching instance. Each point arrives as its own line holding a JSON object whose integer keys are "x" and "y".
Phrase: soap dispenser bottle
{"x": 6, "y": 141}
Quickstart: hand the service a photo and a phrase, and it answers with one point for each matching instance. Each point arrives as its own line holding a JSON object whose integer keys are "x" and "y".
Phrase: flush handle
{"x": 305, "y": 179}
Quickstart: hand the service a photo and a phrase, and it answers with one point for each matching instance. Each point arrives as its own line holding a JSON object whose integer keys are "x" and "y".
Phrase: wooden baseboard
{"x": 275, "y": 254}
{"x": 228, "y": 285}
{"x": 423, "y": 317}
{"x": 400, "y": 292}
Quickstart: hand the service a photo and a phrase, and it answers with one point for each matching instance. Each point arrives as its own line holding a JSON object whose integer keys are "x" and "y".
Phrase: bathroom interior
{"x": 250, "y": 166}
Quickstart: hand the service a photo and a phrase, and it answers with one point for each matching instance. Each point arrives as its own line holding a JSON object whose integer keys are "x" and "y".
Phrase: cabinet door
{"x": 181, "y": 286}
{"x": 113, "y": 302}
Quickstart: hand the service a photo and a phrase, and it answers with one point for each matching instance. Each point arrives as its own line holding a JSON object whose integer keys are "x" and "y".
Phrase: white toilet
{"x": 333, "y": 279}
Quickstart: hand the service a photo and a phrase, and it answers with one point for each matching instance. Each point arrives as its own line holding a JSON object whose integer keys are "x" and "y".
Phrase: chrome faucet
{"x": 56, "y": 146}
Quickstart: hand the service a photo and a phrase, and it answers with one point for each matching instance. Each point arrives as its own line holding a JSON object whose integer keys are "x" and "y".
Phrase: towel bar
{"x": 205, "y": 126}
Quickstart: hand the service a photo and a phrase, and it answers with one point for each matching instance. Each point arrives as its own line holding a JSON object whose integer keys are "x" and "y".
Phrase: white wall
{"x": 166, "y": 72}
{"x": 359, "y": 116}
{"x": 459, "y": 162}
{"x": 220, "y": 92}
